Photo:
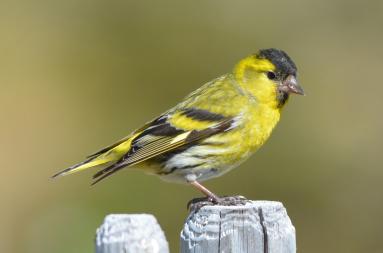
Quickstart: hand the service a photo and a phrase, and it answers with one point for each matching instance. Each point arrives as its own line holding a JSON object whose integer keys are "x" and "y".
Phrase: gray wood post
{"x": 257, "y": 227}
{"x": 130, "y": 233}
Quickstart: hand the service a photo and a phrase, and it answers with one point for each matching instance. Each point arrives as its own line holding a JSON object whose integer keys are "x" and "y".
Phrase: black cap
{"x": 283, "y": 63}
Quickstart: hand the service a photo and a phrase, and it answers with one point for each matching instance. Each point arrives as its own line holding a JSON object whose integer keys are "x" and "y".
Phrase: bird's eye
{"x": 271, "y": 75}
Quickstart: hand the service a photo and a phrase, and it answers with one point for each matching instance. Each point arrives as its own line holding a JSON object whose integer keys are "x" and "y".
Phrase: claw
{"x": 195, "y": 204}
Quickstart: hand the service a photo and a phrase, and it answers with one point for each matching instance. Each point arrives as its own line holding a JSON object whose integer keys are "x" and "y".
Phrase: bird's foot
{"x": 198, "y": 203}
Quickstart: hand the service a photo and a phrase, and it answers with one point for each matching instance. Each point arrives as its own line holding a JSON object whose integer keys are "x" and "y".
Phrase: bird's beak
{"x": 290, "y": 85}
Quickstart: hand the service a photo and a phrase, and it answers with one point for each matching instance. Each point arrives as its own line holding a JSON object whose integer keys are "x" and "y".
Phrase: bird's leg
{"x": 214, "y": 198}
{"x": 197, "y": 203}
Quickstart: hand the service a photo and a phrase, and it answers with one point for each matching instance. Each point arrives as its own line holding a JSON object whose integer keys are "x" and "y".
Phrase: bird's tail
{"x": 106, "y": 156}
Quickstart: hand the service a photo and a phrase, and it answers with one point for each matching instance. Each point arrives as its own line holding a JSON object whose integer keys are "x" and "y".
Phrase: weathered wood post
{"x": 130, "y": 233}
{"x": 256, "y": 227}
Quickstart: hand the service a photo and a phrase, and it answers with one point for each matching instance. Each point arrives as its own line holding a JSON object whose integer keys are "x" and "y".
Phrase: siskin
{"x": 212, "y": 131}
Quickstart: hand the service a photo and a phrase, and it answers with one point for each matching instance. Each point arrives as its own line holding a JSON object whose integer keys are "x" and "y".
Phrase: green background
{"x": 77, "y": 75}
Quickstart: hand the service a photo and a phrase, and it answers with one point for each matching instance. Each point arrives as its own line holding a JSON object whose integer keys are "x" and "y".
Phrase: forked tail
{"x": 106, "y": 156}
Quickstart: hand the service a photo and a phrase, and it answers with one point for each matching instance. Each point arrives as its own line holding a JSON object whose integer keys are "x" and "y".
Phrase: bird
{"x": 213, "y": 130}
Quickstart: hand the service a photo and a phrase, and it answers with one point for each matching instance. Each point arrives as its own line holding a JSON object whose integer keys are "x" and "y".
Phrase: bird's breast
{"x": 260, "y": 123}
{"x": 236, "y": 145}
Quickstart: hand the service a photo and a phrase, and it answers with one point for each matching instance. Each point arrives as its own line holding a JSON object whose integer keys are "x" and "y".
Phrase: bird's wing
{"x": 169, "y": 132}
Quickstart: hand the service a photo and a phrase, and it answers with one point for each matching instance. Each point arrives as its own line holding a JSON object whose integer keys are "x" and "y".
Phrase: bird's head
{"x": 269, "y": 75}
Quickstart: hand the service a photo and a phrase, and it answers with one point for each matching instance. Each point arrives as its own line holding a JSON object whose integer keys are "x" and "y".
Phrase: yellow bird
{"x": 213, "y": 130}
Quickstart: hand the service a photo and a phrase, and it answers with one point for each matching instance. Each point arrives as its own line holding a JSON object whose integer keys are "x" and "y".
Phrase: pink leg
{"x": 205, "y": 191}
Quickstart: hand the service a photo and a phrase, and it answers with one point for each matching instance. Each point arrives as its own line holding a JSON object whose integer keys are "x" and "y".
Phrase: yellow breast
{"x": 261, "y": 121}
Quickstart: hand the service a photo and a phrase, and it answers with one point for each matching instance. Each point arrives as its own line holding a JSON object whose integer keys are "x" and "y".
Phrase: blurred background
{"x": 77, "y": 75}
